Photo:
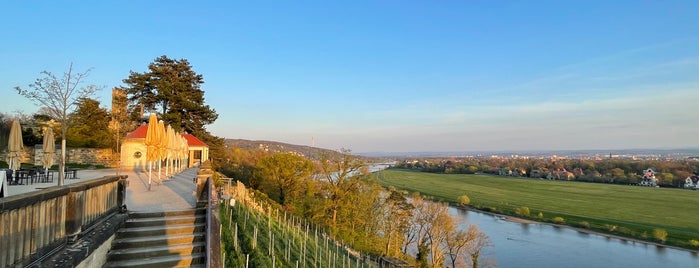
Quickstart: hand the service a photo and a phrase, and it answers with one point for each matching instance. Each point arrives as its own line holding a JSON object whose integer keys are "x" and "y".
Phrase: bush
{"x": 694, "y": 243}
{"x": 541, "y": 215}
{"x": 464, "y": 200}
{"x": 584, "y": 224}
{"x": 559, "y": 220}
{"x": 522, "y": 211}
{"x": 610, "y": 227}
{"x": 660, "y": 235}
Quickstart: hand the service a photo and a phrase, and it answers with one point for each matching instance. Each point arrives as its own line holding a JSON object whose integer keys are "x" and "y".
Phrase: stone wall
{"x": 90, "y": 156}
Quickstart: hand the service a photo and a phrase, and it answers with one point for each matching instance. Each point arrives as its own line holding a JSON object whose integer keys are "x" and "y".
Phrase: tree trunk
{"x": 62, "y": 164}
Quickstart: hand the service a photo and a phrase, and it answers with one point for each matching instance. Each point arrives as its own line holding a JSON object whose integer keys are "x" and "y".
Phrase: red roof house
{"x": 133, "y": 149}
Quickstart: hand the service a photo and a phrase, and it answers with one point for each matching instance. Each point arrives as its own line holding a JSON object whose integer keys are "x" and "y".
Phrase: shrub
{"x": 584, "y": 224}
{"x": 559, "y": 220}
{"x": 626, "y": 231}
{"x": 464, "y": 200}
{"x": 660, "y": 235}
{"x": 522, "y": 211}
{"x": 541, "y": 215}
{"x": 694, "y": 243}
{"x": 610, "y": 227}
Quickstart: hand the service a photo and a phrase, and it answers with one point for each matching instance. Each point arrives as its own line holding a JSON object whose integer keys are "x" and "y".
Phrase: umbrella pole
{"x": 167, "y": 168}
{"x": 160, "y": 181}
{"x": 150, "y": 169}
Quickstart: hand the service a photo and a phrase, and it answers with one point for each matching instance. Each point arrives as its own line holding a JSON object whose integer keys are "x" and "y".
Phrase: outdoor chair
{"x": 32, "y": 176}
{"x": 10, "y": 179}
{"x": 45, "y": 176}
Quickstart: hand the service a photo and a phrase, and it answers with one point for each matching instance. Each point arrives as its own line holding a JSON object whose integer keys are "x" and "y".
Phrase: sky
{"x": 390, "y": 76}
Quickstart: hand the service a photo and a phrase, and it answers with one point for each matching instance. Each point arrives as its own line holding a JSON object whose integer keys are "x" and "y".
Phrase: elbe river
{"x": 543, "y": 245}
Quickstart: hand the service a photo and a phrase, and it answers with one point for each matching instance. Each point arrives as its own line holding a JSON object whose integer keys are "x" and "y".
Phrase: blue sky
{"x": 391, "y": 76}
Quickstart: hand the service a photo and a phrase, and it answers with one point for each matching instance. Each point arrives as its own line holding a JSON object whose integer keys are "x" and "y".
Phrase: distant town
{"x": 624, "y": 154}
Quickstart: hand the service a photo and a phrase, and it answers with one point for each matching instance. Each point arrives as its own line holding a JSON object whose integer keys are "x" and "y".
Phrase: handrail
{"x": 39, "y": 223}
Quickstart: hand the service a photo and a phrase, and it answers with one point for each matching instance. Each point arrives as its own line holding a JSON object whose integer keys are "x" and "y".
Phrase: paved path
{"x": 178, "y": 193}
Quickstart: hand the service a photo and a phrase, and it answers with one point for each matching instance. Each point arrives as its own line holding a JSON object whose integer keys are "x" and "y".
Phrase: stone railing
{"x": 35, "y": 225}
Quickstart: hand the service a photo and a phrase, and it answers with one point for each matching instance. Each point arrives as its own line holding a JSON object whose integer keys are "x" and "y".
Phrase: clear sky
{"x": 391, "y": 76}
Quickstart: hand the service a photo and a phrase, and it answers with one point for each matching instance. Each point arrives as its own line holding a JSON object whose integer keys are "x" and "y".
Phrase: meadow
{"x": 630, "y": 211}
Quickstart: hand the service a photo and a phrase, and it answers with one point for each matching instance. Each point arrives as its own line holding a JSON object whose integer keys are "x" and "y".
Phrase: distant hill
{"x": 278, "y": 147}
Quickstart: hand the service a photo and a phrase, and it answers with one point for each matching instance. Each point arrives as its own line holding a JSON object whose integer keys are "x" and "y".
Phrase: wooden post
{"x": 75, "y": 208}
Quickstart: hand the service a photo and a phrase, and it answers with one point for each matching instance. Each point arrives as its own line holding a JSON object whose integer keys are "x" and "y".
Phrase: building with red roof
{"x": 133, "y": 149}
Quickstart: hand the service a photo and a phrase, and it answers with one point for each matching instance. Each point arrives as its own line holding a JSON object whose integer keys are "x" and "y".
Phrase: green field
{"x": 631, "y": 211}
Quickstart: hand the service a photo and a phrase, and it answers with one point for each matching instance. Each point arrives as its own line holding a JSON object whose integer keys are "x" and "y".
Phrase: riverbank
{"x": 514, "y": 219}
{"x": 623, "y": 210}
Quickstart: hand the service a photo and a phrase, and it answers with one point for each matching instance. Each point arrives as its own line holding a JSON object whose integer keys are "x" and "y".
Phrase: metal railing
{"x": 37, "y": 224}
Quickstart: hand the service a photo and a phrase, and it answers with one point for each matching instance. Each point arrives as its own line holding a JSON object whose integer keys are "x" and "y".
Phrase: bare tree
{"x": 456, "y": 245}
{"x": 432, "y": 225}
{"x": 59, "y": 95}
{"x": 479, "y": 241}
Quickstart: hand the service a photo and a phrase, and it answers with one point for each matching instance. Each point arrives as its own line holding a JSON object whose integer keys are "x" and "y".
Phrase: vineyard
{"x": 256, "y": 232}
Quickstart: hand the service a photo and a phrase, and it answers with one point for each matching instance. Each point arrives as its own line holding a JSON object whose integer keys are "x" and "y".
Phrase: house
{"x": 133, "y": 150}
{"x": 692, "y": 182}
{"x": 560, "y": 174}
{"x": 504, "y": 172}
{"x": 649, "y": 178}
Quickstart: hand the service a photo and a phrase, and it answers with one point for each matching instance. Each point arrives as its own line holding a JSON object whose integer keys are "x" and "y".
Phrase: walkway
{"x": 178, "y": 193}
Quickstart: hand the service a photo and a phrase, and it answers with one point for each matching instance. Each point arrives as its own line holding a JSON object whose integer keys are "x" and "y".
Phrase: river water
{"x": 542, "y": 245}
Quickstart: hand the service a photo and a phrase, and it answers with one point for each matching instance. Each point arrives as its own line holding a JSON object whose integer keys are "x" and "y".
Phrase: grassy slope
{"x": 638, "y": 209}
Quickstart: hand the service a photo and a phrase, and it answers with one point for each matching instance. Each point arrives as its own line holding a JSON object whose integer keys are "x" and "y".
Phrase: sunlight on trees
{"x": 464, "y": 200}
{"x": 60, "y": 96}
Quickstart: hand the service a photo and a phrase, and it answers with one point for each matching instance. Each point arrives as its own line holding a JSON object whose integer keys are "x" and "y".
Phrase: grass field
{"x": 630, "y": 211}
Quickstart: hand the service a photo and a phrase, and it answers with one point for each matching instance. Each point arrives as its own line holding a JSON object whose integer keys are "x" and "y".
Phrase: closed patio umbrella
{"x": 152, "y": 143}
{"x": 162, "y": 144}
{"x": 170, "y": 150}
{"x": 49, "y": 146}
{"x": 15, "y": 146}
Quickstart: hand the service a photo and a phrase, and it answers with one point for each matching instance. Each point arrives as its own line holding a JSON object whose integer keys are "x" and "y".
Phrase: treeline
{"x": 336, "y": 193}
{"x": 669, "y": 173}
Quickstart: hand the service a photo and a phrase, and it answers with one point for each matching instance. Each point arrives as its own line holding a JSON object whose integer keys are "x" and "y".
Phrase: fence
{"x": 37, "y": 224}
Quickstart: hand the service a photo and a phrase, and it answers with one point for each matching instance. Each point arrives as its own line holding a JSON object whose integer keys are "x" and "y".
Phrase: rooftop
{"x": 141, "y": 131}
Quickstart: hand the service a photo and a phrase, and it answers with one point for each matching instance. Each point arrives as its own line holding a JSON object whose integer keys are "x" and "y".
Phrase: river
{"x": 542, "y": 245}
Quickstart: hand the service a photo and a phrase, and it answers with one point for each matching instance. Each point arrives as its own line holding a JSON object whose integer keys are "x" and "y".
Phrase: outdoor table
{"x": 71, "y": 173}
{"x": 22, "y": 174}
{"x": 44, "y": 176}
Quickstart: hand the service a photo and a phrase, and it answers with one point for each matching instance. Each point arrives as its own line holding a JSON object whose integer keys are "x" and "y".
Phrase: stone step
{"x": 161, "y": 230}
{"x": 162, "y": 221}
{"x": 156, "y": 251}
{"x": 150, "y": 241}
{"x": 195, "y": 259}
{"x": 190, "y": 212}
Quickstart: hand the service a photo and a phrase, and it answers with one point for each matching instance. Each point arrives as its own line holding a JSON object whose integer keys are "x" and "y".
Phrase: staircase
{"x": 161, "y": 239}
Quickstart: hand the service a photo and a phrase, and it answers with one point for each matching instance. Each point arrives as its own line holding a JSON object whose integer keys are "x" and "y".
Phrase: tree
{"x": 431, "y": 226}
{"x": 172, "y": 87}
{"x": 479, "y": 241}
{"x": 457, "y": 244}
{"x": 340, "y": 176}
{"x": 464, "y": 200}
{"x": 285, "y": 172}
{"x": 394, "y": 219}
{"x": 59, "y": 95}
{"x": 90, "y": 125}
{"x": 175, "y": 89}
